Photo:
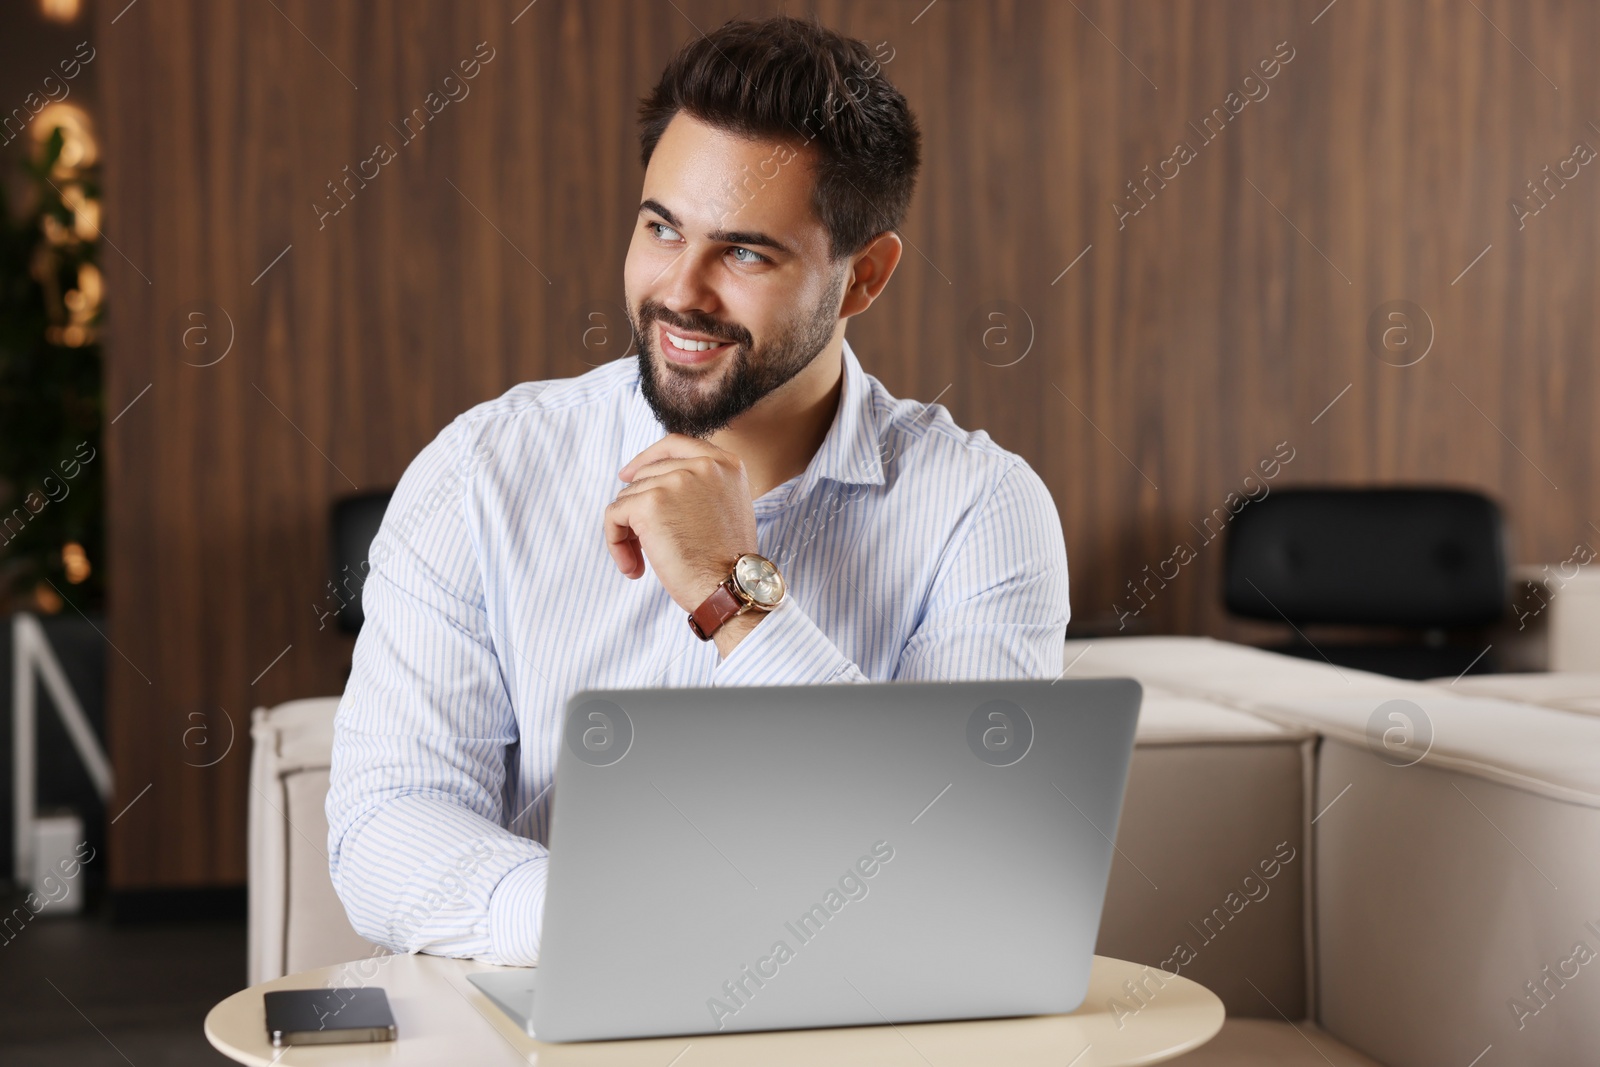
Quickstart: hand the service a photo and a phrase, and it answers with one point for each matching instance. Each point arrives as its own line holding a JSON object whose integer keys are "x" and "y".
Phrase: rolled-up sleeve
{"x": 418, "y": 847}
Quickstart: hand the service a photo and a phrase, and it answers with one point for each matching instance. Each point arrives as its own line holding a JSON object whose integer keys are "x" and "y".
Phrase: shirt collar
{"x": 850, "y": 452}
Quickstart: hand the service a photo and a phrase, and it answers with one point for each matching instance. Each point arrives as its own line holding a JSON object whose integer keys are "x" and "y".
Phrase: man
{"x": 739, "y": 505}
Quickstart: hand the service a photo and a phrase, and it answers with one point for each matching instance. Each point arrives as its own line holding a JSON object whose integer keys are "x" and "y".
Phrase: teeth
{"x": 692, "y": 346}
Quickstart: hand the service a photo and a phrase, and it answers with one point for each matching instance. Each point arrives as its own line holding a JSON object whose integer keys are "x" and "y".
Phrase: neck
{"x": 778, "y": 436}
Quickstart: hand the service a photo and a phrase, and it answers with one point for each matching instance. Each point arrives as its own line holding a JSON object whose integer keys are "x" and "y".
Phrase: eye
{"x": 757, "y": 256}
{"x": 656, "y": 228}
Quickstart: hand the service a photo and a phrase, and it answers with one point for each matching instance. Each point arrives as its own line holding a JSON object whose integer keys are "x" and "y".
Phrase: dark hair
{"x": 798, "y": 81}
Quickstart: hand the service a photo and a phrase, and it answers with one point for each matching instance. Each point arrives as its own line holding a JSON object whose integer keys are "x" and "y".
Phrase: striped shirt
{"x": 913, "y": 549}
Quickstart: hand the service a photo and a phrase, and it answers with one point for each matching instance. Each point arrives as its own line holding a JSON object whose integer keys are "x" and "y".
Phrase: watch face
{"x": 759, "y": 579}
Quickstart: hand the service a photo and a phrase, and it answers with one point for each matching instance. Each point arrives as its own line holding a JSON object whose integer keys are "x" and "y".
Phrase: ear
{"x": 869, "y": 273}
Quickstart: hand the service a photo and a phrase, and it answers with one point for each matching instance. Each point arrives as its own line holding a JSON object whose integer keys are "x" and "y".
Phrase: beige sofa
{"x": 1454, "y": 880}
{"x": 1347, "y": 910}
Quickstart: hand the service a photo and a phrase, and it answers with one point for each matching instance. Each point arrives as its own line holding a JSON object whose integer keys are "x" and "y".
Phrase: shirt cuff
{"x": 516, "y": 914}
{"x": 785, "y": 648}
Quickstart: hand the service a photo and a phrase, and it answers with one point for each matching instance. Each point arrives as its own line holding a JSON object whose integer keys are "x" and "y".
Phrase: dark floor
{"x": 79, "y": 990}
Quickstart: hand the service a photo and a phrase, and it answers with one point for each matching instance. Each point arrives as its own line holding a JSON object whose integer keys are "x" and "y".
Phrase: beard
{"x": 678, "y": 394}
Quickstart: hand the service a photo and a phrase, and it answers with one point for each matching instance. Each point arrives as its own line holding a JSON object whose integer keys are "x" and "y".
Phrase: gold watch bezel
{"x": 749, "y": 601}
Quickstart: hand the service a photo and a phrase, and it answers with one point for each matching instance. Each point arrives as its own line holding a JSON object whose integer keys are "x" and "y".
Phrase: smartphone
{"x": 328, "y": 1016}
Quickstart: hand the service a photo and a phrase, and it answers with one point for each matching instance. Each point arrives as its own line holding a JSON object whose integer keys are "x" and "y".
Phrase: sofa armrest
{"x": 296, "y": 921}
{"x": 1211, "y": 878}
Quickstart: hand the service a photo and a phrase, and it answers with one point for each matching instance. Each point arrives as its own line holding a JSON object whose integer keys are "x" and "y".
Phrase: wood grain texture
{"x": 1172, "y": 358}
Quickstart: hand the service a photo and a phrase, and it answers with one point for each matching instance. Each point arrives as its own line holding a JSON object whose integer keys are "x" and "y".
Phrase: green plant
{"x": 51, "y": 466}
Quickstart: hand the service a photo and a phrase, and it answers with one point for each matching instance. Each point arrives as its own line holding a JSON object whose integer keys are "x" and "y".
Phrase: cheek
{"x": 752, "y": 311}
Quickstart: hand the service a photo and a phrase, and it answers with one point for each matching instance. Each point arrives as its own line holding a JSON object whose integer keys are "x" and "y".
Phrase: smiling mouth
{"x": 682, "y": 349}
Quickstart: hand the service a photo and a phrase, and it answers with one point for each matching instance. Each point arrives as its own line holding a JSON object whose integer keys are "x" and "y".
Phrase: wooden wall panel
{"x": 1175, "y": 354}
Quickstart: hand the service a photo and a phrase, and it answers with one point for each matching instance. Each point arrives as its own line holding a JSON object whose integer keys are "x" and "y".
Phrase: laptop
{"x": 737, "y": 859}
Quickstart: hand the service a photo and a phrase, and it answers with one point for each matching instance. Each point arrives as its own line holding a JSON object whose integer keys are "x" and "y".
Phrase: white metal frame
{"x": 33, "y": 660}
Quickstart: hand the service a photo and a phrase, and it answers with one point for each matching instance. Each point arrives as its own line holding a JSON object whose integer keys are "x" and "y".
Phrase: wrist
{"x": 752, "y": 587}
{"x": 736, "y": 629}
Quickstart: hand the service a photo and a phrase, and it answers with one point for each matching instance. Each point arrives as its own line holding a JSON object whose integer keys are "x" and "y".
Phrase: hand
{"x": 687, "y": 510}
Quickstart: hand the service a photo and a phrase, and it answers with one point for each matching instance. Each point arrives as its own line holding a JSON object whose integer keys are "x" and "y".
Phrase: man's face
{"x": 727, "y": 248}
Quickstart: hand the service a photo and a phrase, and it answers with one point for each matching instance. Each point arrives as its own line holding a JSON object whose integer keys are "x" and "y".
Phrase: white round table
{"x": 443, "y": 1019}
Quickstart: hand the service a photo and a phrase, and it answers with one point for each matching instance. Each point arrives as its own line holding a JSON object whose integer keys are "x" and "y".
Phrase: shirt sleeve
{"x": 418, "y": 847}
{"x": 998, "y": 609}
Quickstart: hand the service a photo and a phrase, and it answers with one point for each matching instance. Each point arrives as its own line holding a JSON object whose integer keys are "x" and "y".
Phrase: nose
{"x": 686, "y": 287}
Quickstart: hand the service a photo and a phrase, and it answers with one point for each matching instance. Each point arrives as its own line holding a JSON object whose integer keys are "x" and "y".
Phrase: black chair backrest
{"x": 355, "y": 523}
{"x": 1431, "y": 558}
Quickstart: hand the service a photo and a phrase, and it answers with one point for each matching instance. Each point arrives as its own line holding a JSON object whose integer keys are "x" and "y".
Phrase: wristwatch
{"x": 754, "y": 585}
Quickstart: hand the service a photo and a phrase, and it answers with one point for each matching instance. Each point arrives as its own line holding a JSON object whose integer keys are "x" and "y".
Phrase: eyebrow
{"x": 734, "y": 237}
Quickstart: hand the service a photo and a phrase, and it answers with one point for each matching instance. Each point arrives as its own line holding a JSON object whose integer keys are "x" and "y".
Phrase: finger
{"x": 629, "y": 557}
{"x": 696, "y": 465}
{"x": 644, "y": 485}
{"x": 633, "y": 567}
{"x": 672, "y": 446}
{"x": 621, "y": 540}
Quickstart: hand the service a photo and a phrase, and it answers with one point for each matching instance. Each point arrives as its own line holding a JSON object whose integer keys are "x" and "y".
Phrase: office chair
{"x": 355, "y": 523}
{"x": 1430, "y": 560}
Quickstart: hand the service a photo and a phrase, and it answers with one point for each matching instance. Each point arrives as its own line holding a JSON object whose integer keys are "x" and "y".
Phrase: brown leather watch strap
{"x": 717, "y": 609}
